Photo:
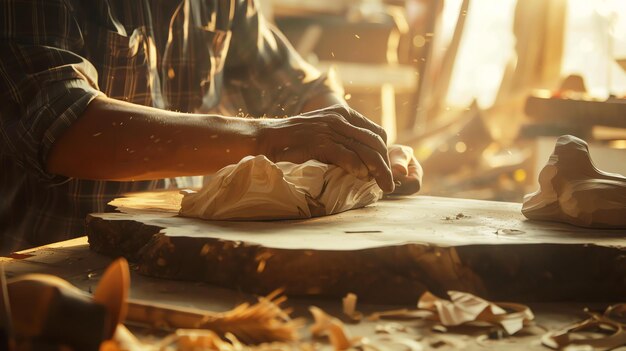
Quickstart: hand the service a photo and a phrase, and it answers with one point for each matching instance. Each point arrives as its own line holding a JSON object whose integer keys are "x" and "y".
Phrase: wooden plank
{"x": 401, "y": 246}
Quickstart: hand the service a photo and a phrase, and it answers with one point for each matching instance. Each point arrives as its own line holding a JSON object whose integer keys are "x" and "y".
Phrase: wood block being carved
{"x": 573, "y": 190}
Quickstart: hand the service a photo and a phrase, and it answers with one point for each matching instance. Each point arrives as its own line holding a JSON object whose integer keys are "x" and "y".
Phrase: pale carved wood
{"x": 573, "y": 190}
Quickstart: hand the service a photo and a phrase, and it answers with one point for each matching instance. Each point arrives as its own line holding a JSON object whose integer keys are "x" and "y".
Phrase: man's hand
{"x": 407, "y": 172}
{"x": 336, "y": 135}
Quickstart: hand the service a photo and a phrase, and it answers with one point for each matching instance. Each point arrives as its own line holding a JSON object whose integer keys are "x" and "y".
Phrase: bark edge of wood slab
{"x": 391, "y": 274}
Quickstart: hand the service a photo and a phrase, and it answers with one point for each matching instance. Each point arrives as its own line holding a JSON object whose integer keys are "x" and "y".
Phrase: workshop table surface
{"x": 75, "y": 262}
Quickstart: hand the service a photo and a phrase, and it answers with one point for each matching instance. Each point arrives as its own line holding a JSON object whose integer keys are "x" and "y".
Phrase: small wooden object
{"x": 573, "y": 190}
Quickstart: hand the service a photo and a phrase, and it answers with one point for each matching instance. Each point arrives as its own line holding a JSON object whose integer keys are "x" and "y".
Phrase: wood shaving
{"x": 390, "y": 328}
{"x": 439, "y": 328}
{"x": 333, "y": 328}
{"x": 404, "y": 314}
{"x": 262, "y": 322}
{"x": 609, "y": 331}
{"x": 349, "y": 308}
{"x": 464, "y": 308}
{"x": 340, "y": 339}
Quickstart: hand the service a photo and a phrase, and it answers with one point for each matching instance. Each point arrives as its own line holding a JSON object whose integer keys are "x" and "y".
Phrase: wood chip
{"x": 611, "y": 333}
{"x": 349, "y": 308}
{"x": 333, "y": 328}
{"x": 464, "y": 308}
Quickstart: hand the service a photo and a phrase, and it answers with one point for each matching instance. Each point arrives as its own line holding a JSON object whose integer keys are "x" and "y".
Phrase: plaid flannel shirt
{"x": 211, "y": 56}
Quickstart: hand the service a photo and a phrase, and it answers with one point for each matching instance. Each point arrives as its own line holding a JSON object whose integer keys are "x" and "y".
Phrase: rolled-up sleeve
{"x": 265, "y": 71}
{"x": 45, "y": 84}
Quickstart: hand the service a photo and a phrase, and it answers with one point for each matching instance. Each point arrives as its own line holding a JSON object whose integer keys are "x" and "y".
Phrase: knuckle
{"x": 383, "y": 134}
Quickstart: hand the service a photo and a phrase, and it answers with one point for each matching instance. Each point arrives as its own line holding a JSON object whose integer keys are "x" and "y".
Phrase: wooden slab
{"x": 389, "y": 252}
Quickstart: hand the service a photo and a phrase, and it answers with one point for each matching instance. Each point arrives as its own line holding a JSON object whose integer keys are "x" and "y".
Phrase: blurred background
{"x": 480, "y": 89}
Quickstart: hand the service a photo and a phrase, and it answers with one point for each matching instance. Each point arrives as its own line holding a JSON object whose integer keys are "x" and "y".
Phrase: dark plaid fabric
{"x": 211, "y": 56}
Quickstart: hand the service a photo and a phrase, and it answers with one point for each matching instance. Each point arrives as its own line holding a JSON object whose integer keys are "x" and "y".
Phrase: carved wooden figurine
{"x": 573, "y": 190}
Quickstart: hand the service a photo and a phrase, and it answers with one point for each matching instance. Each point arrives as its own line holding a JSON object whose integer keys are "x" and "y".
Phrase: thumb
{"x": 399, "y": 158}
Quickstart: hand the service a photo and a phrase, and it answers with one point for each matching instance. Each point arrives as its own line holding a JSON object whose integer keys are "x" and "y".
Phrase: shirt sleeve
{"x": 44, "y": 84}
{"x": 264, "y": 72}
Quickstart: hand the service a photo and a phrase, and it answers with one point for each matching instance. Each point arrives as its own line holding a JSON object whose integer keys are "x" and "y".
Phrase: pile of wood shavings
{"x": 262, "y": 322}
{"x": 463, "y": 308}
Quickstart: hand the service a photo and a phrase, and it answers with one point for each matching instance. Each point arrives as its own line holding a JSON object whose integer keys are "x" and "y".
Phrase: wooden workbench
{"x": 73, "y": 261}
{"x": 390, "y": 252}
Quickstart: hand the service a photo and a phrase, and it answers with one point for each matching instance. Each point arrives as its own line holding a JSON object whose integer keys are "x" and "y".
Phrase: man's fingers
{"x": 415, "y": 170}
{"x": 361, "y": 135}
{"x": 356, "y": 119}
{"x": 347, "y": 159}
{"x": 406, "y": 185}
{"x": 400, "y": 157}
{"x": 407, "y": 172}
{"x": 374, "y": 162}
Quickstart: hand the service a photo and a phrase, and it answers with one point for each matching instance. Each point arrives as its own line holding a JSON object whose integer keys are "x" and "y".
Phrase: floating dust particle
{"x": 460, "y": 147}
{"x": 357, "y": 36}
{"x": 214, "y": 136}
{"x": 519, "y": 175}
{"x": 419, "y": 41}
{"x": 97, "y": 134}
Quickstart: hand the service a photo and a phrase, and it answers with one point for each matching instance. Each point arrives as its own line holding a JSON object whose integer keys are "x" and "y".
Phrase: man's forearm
{"x": 115, "y": 140}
